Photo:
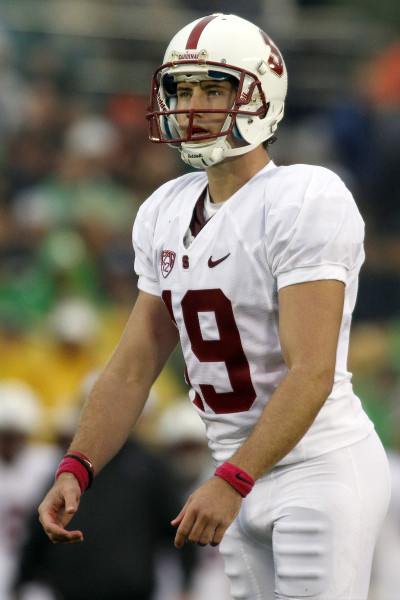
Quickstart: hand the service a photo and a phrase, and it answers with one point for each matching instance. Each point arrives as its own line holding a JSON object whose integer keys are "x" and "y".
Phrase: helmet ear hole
{"x": 257, "y": 129}
{"x": 264, "y": 114}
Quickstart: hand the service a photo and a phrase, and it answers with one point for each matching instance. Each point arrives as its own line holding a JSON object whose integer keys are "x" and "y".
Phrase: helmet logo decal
{"x": 161, "y": 102}
{"x": 189, "y": 56}
{"x": 196, "y": 32}
{"x": 275, "y": 60}
{"x": 167, "y": 262}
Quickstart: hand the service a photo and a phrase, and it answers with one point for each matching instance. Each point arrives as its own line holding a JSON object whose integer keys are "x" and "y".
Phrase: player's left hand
{"x": 207, "y": 514}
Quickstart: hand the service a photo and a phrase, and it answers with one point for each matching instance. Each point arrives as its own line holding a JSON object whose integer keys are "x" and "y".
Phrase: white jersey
{"x": 286, "y": 225}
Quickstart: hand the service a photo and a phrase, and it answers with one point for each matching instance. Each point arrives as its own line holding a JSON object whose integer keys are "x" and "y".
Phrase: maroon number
{"x": 228, "y": 349}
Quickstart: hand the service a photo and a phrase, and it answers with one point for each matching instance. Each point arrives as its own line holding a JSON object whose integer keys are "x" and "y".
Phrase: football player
{"x": 254, "y": 268}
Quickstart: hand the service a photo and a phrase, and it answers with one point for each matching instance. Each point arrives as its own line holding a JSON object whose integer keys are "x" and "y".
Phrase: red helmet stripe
{"x": 194, "y": 37}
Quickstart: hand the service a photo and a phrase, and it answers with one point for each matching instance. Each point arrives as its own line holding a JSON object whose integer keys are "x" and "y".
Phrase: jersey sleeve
{"x": 316, "y": 232}
{"x": 142, "y": 235}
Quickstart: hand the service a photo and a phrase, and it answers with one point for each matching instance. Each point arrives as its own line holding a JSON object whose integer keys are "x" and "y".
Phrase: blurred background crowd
{"x": 75, "y": 165}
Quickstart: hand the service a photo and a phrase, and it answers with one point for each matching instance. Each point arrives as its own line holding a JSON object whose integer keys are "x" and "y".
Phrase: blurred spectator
{"x": 119, "y": 279}
{"x": 76, "y": 337}
{"x": 124, "y": 521}
{"x": 64, "y": 348}
{"x": 24, "y": 470}
{"x": 70, "y": 350}
{"x": 181, "y": 438}
{"x": 80, "y": 191}
{"x": 69, "y": 226}
{"x": 35, "y": 145}
{"x": 364, "y": 127}
{"x": 383, "y": 78}
{"x": 127, "y": 112}
{"x": 366, "y": 132}
{"x": 375, "y": 374}
{"x": 25, "y": 292}
{"x": 13, "y": 88}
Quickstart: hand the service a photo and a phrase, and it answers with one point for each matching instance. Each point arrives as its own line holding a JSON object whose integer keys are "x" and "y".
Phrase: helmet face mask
{"x": 219, "y": 47}
{"x": 163, "y": 122}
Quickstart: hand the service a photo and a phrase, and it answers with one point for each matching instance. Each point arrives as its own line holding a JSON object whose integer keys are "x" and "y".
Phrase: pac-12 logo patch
{"x": 167, "y": 262}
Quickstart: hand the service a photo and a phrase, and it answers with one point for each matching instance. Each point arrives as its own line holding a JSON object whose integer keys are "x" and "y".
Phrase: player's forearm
{"x": 284, "y": 421}
{"x": 109, "y": 415}
{"x": 115, "y": 403}
{"x": 117, "y": 398}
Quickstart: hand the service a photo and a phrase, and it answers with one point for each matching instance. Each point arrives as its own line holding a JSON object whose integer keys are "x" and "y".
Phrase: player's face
{"x": 204, "y": 95}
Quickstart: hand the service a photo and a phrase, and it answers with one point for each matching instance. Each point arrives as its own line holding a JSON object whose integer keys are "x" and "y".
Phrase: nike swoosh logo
{"x": 238, "y": 476}
{"x": 213, "y": 263}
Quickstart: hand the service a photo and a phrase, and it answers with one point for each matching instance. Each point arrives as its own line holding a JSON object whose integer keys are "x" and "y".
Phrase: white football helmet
{"x": 220, "y": 47}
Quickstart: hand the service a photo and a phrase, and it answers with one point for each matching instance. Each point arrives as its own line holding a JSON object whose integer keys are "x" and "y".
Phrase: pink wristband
{"x": 80, "y": 466}
{"x": 240, "y": 480}
{"x": 81, "y": 457}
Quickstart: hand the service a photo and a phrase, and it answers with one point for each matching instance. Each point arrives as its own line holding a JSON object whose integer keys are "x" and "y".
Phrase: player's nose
{"x": 196, "y": 100}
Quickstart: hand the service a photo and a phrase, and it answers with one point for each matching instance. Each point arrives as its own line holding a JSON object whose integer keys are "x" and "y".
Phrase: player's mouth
{"x": 198, "y": 131}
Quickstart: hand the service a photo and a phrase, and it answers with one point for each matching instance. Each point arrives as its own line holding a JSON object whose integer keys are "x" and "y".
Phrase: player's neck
{"x": 227, "y": 177}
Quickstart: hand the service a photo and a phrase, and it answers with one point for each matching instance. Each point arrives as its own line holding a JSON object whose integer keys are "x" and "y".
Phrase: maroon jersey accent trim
{"x": 196, "y": 32}
{"x": 167, "y": 298}
{"x": 198, "y": 221}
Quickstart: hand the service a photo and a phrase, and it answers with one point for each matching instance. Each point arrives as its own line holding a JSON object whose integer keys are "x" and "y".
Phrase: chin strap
{"x": 214, "y": 151}
{"x": 207, "y": 155}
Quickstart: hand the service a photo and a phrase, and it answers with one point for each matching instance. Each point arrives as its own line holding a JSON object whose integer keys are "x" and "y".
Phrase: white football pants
{"x": 308, "y": 530}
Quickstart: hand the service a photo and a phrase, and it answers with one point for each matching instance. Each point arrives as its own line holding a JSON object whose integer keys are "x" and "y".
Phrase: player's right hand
{"x": 58, "y": 508}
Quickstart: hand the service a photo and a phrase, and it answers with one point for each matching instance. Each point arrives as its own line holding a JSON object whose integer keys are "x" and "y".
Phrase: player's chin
{"x": 202, "y": 140}
{"x": 198, "y": 135}
{"x": 198, "y": 138}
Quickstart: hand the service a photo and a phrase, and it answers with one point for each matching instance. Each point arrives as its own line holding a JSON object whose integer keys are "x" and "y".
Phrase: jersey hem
{"x": 150, "y": 287}
{"x": 315, "y": 273}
